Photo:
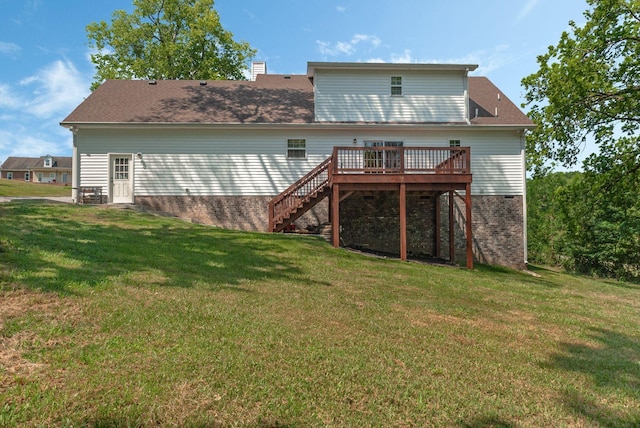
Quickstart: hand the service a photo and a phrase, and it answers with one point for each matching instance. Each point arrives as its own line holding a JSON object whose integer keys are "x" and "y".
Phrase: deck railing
{"x": 366, "y": 160}
{"x": 401, "y": 160}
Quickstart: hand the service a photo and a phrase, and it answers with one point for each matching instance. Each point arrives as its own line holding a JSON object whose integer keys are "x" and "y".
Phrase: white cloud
{"x": 526, "y": 9}
{"x": 403, "y": 58}
{"x": 348, "y": 48}
{"x": 8, "y": 99}
{"x": 26, "y": 141}
{"x": 55, "y": 89}
{"x": 9, "y": 48}
{"x": 341, "y": 9}
{"x": 487, "y": 60}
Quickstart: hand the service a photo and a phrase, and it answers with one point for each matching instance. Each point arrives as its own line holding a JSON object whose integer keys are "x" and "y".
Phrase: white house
{"x": 220, "y": 151}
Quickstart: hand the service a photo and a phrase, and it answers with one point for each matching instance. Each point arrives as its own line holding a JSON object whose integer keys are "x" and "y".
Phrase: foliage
{"x": 546, "y": 223}
{"x": 111, "y": 317}
{"x": 588, "y": 86}
{"x": 575, "y": 220}
{"x": 166, "y": 39}
{"x": 602, "y": 212}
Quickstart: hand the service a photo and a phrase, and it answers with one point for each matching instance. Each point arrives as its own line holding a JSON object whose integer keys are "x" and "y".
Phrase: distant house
{"x": 409, "y": 159}
{"x": 45, "y": 169}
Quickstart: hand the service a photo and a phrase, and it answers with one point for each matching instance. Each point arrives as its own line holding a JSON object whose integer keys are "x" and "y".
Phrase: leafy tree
{"x": 603, "y": 224}
{"x": 546, "y": 223}
{"x": 166, "y": 39}
{"x": 587, "y": 86}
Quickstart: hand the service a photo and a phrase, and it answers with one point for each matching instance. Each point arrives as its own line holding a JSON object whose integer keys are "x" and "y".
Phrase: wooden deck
{"x": 437, "y": 170}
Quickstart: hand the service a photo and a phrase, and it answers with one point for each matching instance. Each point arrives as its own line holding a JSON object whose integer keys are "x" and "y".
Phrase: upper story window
{"x": 296, "y": 148}
{"x": 47, "y": 162}
{"x": 396, "y": 85}
{"x": 454, "y": 143}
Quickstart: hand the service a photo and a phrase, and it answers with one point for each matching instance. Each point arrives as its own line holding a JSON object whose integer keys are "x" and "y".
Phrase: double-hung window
{"x": 396, "y": 85}
{"x": 454, "y": 143}
{"x": 296, "y": 148}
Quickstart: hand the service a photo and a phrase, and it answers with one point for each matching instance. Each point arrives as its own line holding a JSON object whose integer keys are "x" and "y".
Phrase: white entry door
{"x": 121, "y": 179}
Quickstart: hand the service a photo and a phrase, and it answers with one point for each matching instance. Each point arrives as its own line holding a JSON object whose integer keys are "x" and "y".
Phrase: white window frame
{"x": 396, "y": 89}
{"x": 27, "y": 176}
{"x": 40, "y": 176}
{"x": 454, "y": 143}
{"x": 47, "y": 162}
{"x": 9, "y": 175}
{"x": 297, "y": 146}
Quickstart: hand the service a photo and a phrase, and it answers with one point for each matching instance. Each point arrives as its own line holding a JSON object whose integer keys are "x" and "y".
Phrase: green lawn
{"x": 116, "y": 318}
{"x": 17, "y": 188}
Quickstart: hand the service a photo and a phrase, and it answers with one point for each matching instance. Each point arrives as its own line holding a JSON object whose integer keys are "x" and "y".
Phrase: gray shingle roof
{"x": 270, "y": 99}
{"x": 487, "y": 100}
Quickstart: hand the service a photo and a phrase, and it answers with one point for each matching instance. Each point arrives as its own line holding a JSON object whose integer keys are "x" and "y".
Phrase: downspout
{"x": 524, "y": 195}
{"x": 75, "y": 169}
{"x": 466, "y": 97}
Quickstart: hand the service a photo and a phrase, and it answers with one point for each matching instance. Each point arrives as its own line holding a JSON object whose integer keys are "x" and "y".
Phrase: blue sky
{"x": 45, "y": 69}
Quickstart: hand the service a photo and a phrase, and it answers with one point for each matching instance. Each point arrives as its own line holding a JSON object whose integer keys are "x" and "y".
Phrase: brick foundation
{"x": 230, "y": 212}
{"x": 371, "y": 221}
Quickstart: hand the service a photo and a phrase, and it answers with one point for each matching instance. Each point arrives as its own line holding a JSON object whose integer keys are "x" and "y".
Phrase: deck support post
{"x": 403, "y": 221}
{"x": 335, "y": 215}
{"x": 437, "y": 237}
{"x": 452, "y": 237}
{"x": 469, "y": 229}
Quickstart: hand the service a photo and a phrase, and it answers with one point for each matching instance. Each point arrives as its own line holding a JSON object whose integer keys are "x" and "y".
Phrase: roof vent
{"x": 287, "y": 77}
{"x": 153, "y": 82}
{"x": 203, "y": 83}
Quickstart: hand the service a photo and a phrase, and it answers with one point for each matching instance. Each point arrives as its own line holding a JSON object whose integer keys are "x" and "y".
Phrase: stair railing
{"x": 299, "y": 193}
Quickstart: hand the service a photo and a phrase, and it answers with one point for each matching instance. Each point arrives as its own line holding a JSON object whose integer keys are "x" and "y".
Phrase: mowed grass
{"x": 116, "y": 318}
{"x": 18, "y": 188}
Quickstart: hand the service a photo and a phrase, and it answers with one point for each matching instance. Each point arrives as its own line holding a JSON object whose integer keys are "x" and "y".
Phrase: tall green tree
{"x": 601, "y": 211}
{"x": 166, "y": 39}
{"x": 546, "y": 220}
{"x": 588, "y": 86}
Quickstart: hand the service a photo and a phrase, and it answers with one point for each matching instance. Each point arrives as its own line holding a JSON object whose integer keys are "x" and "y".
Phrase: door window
{"x": 121, "y": 169}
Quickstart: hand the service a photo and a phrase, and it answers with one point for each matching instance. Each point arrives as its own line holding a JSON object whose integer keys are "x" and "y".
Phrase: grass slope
{"x": 16, "y": 188}
{"x": 116, "y": 318}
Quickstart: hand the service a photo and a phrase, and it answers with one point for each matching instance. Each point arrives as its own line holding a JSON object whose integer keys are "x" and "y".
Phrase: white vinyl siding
{"x": 246, "y": 163}
{"x": 365, "y": 97}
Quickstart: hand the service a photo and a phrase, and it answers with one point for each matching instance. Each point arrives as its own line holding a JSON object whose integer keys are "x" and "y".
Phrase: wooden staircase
{"x": 300, "y": 197}
{"x": 368, "y": 167}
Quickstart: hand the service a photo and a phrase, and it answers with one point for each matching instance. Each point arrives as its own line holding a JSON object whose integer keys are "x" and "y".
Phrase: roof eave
{"x": 313, "y": 66}
{"x": 312, "y": 125}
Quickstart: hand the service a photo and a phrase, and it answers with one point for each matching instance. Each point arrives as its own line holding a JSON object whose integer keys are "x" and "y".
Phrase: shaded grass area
{"x": 115, "y": 318}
